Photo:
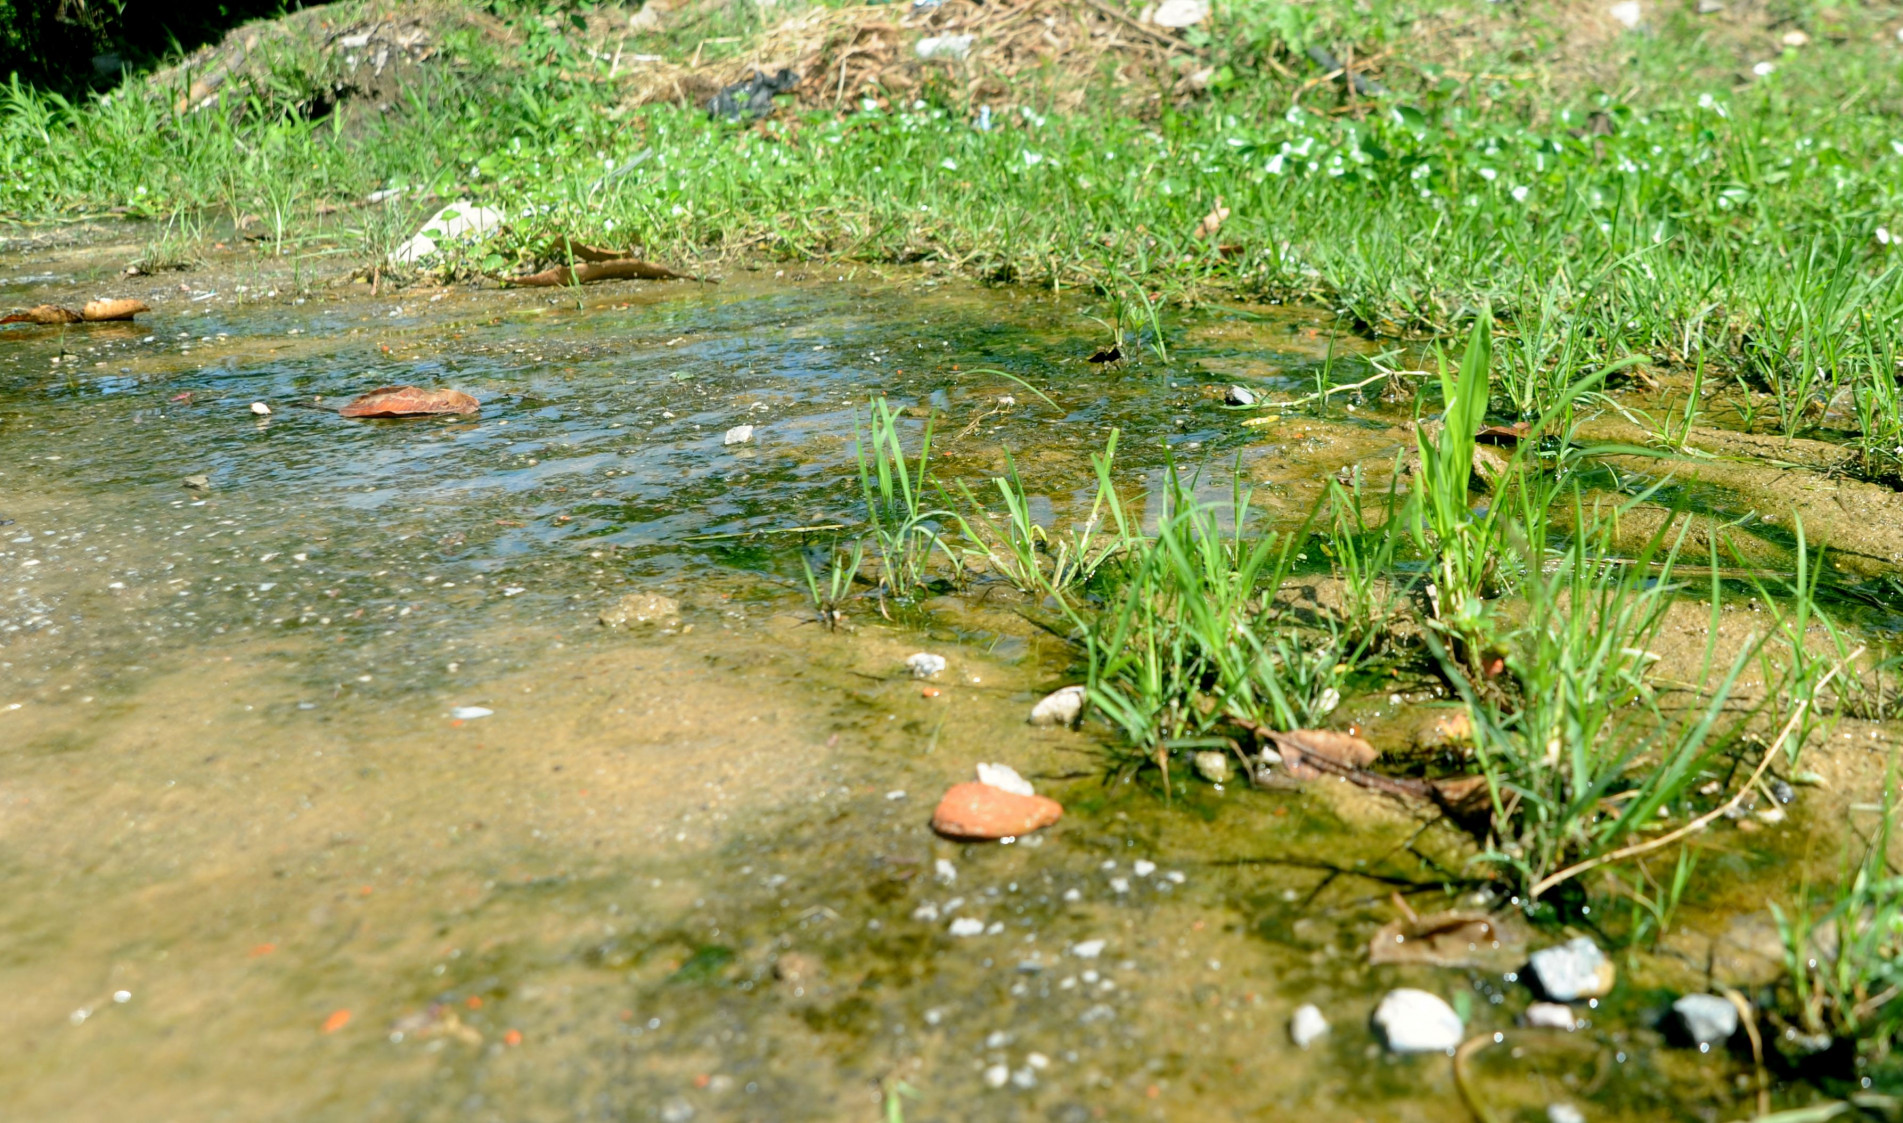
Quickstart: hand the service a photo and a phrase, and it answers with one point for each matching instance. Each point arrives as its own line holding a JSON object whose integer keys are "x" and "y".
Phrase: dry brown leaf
{"x": 1212, "y": 221}
{"x": 409, "y": 401}
{"x": 1448, "y": 939}
{"x": 1505, "y": 434}
{"x": 124, "y": 308}
{"x": 1343, "y": 750}
{"x": 564, "y": 249}
{"x": 42, "y": 314}
{"x": 614, "y": 270}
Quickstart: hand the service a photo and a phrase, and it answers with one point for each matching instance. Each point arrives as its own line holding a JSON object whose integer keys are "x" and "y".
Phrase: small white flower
{"x": 1764, "y": 69}
{"x": 1883, "y": 236}
{"x": 948, "y": 164}
{"x": 1488, "y": 174}
{"x": 1274, "y": 166}
{"x": 1519, "y": 194}
{"x": 1031, "y": 159}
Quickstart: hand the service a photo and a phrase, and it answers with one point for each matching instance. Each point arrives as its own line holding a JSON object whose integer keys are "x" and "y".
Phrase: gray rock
{"x": 1212, "y": 765}
{"x": 1575, "y": 969}
{"x": 197, "y": 483}
{"x": 640, "y": 608}
{"x": 1414, "y": 1021}
{"x": 1307, "y": 1026}
{"x": 1706, "y": 1019}
{"x": 1059, "y": 708}
{"x": 738, "y": 435}
{"x": 1239, "y": 396}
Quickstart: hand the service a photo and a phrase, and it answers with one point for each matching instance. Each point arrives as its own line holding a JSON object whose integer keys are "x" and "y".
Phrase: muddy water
{"x": 256, "y": 868}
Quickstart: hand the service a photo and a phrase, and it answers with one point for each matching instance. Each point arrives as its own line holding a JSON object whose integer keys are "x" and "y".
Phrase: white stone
{"x": 1143, "y": 867}
{"x": 1550, "y": 1015}
{"x": 1088, "y": 949}
{"x": 1307, "y": 1025}
{"x": 1180, "y": 13}
{"x": 470, "y": 713}
{"x": 1626, "y": 12}
{"x": 1564, "y": 1113}
{"x": 1004, "y": 778}
{"x": 461, "y": 221}
{"x": 1573, "y": 970}
{"x": 1706, "y": 1018}
{"x": 260, "y": 409}
{"x": 1212, "y": 765}
{"x": 996, "y": 1075}
{"x": 738, "y": 435}
{"x": 953, "y": 47}
{"x": 1414, "y": 1021}
{"x": 1061, "y": 707}
{"x": 944, "y": 871}
{"x": 924, "y": 664}
{"x": 967, "y": 926}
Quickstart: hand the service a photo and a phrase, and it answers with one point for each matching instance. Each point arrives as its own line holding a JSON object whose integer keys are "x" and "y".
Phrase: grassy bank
{"x": 1737, "y": 223}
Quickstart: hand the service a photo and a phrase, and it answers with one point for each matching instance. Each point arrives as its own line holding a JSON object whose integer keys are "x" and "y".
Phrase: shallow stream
{"x": 257, "y": 868}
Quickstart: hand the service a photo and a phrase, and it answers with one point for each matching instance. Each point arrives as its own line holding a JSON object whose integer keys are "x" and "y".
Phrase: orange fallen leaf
{"x": 263, "y": 949}
{"x": 474, "y": 1002}
{"x": 337, "y": 1020}
{"x": 930, "y": 692}
{"x": 618, "y": 269}
{"x": 513, "y": 1037}
{"x": 701, "y": 1080}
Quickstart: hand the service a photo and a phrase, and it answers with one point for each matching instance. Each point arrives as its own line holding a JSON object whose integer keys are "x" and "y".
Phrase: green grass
{"x": 1733, "y": 226}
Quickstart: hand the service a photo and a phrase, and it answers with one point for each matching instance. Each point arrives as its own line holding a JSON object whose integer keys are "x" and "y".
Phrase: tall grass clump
{"x": 1578, "y": 755}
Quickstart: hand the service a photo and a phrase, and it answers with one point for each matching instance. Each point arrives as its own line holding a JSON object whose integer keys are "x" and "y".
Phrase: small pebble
{"x": 1212, "y": 765}
{"x": 967, "y": 926}
{"x": 738, "y": 435}
{"x": 1060, "y": 708}
{"x": 1550, "y": 1015}
{"x": 1564, "y": 1113}
{"x": 1307, "y": 1025}
{"x": 924, "y": 664}
{"x": 1088, "y": 949}
{"x": 260, "y": 409}
{"x": 1414, "y": 1021}
{"x": 1706, "y": 1019}
{"x": 1573, "y": 970}
{"x": 1004, "y": 778}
